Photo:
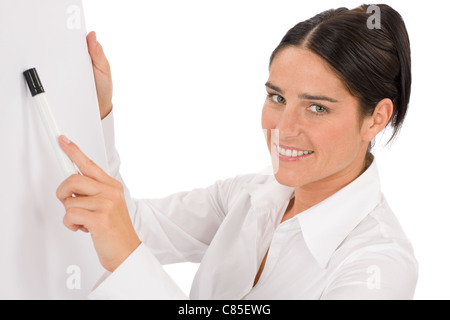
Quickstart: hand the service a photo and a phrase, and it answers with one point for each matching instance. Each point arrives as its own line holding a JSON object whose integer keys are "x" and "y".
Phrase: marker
{"x": 40, "y": 100}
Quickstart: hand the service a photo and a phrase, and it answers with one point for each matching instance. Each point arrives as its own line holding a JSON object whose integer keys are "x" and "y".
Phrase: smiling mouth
{"x": 290, "y": 153}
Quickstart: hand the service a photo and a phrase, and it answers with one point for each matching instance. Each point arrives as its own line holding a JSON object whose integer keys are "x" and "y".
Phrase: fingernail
{"x": 65, "y": 139}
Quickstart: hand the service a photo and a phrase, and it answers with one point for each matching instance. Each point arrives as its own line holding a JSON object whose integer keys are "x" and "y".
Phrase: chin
{"x": 290, "y": 179}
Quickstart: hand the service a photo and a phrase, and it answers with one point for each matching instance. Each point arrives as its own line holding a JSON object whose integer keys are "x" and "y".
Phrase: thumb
{"x": 98, "y": 57}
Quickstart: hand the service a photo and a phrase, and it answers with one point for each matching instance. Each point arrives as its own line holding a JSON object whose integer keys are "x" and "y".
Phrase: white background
{"x": 189, "y": 88}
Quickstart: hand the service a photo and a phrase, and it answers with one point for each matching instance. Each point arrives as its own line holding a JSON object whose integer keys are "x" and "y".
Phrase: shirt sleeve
{"x": 374, "y": 274}
{"x": 139, "y": 277}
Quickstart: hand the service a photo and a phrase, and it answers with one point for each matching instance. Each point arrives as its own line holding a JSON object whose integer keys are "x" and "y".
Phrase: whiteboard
{"x": 40, "y": 258}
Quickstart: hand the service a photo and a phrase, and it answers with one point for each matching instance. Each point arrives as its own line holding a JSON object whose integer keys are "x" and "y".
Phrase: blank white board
{"x": 40, "y": 258}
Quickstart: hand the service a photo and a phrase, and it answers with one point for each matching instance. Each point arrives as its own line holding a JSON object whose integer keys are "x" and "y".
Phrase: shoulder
{"x": 377, "y": 257}
{"x": 381, "y": 228}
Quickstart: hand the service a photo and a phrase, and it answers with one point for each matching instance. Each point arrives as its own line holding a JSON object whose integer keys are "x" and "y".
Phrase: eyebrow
{"x": 304, "y": 96}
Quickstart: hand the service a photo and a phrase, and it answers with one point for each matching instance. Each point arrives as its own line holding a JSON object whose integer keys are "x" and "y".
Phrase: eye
{"x": 276, "y": 98}
{"x": 317, "y": 108}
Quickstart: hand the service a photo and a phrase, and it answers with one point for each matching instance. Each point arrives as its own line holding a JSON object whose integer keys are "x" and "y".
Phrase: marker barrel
{"x": 40, "y": 100}
{"x": 53, "y": 134}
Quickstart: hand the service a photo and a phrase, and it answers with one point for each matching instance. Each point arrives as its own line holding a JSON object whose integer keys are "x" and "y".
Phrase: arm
{"x": 176, "y": 228}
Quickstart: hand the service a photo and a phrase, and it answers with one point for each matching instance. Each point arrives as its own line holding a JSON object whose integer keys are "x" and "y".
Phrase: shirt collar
{"x": 327, "y": 224}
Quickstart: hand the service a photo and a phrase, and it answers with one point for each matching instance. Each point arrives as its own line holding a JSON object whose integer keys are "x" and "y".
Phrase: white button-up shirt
{"x": 349, "y": 246}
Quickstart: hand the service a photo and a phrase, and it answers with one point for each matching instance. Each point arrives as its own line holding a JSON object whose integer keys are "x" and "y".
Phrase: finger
{"x": 76, "y": 218}
{"x": 92, "y": 42}
{"x": 78, "y": 185}
{"x": 87, "y": 166}
{"x": 97, "y": 54}
{"x": 83, "y": 202}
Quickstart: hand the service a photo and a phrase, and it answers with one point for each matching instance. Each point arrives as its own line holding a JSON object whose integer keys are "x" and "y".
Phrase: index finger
{"x": 87, "y": 167}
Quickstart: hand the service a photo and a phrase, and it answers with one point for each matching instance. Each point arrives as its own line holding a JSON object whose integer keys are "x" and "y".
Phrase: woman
{"x": 318, "y": 228}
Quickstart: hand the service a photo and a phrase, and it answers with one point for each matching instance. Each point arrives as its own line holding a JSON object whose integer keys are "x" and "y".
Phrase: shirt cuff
{"x": 139, "y": 277}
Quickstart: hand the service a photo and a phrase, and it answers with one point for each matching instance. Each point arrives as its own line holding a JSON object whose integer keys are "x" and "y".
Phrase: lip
{"x": 291, "y": 159}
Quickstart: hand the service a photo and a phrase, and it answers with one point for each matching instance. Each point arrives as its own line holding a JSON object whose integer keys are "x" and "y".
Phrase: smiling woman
{"x": 334, "y": 84}
{"x": 319, "y": 227}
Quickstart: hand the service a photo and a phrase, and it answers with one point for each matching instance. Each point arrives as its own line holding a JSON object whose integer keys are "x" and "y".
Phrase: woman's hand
{"x": 99, "y": 207}
{"x": 102, "y": 74}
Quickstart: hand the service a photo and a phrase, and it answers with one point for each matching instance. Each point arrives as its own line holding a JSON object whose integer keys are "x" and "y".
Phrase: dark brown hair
{"x": 373, "y": 63}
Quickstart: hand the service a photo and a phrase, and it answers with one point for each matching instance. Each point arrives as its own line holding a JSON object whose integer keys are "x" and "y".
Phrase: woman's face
{"x": 314, "y": 128}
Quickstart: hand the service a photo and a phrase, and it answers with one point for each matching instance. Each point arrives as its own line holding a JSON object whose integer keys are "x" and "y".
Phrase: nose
{"x": 290, "y": 123}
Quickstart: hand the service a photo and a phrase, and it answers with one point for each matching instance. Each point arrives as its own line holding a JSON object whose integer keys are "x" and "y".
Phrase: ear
{"x": 378, "y": 120}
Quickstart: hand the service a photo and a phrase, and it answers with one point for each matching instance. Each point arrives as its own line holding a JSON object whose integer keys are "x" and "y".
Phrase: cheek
{"x": 337, "y": 141}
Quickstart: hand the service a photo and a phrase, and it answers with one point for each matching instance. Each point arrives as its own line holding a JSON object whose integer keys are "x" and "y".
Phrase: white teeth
{"x": 292, "y": 153}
